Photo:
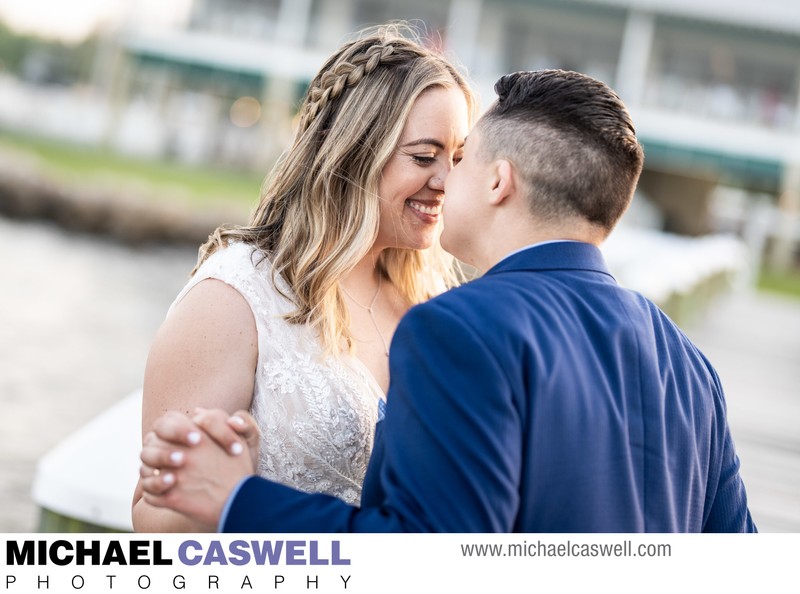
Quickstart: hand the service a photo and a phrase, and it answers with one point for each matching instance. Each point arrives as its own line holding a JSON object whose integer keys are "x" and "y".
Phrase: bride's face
{"x": 411, "y": 189}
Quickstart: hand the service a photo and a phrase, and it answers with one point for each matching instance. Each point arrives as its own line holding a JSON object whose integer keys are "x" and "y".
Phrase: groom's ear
{"x": 503, "y": 181}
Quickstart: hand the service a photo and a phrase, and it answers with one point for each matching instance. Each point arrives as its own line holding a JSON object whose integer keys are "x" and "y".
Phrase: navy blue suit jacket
{"x": 541, "y": 397}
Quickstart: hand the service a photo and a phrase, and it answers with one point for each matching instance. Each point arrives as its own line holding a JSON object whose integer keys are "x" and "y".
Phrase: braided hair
{"x": 342, "y": 74}
{"x": 319, "y": 211}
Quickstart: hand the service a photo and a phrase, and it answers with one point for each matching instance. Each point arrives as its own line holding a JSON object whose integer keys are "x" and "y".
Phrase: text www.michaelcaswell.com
{"x": 567, "y": 549}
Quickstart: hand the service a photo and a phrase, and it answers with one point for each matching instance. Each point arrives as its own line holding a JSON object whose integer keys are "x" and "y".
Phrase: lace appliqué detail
{"x": 316, "y": 413}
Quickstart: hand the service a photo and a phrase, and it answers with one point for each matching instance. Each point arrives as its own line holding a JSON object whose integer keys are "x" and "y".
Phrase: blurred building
{"x": 713, "y": 86}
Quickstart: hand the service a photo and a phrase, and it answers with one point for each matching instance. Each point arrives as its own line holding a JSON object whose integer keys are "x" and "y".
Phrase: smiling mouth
{"x": 433, "y": 209}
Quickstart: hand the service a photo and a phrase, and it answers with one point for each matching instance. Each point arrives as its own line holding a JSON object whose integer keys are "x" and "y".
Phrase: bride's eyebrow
{"x": 429, "y": 141}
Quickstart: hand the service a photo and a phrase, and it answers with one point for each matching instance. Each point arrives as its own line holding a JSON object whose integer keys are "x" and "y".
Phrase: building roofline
{"x": 775, "y": 15}
{"x": 278, "y": 60}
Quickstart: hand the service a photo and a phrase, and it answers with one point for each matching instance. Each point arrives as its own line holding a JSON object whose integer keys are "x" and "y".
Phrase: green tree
{"x": 45, "y": 60}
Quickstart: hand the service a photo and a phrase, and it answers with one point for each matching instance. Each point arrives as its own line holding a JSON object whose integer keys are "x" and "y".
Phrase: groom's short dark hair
{"x": 572, "y": 141}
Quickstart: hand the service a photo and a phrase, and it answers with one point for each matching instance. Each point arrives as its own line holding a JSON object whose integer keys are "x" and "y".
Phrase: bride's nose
{"x": 436, "y": 182}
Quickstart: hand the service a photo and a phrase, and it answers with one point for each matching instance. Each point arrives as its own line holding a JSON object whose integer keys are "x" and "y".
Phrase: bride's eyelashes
{"x": 423, "y": 160}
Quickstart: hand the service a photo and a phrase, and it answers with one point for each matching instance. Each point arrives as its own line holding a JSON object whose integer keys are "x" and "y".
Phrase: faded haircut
{"x": 571, "y": 140}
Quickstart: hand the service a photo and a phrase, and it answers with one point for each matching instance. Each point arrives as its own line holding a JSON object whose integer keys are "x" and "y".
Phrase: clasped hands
{"x": 190, "y": 464}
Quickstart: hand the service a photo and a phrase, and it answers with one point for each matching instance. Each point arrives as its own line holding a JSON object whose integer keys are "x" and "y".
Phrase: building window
{"x": 428, "y": 15}
{"x": 723, "y": 73}
{"x": 242, "y": 18}
{"x": 544, "y": 35}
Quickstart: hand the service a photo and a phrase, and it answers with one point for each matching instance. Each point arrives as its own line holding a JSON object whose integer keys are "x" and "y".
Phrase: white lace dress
{"x": 316, "y": 413}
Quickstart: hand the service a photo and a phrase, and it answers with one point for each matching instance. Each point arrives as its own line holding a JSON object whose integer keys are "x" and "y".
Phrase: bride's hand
{"x": 228, "y": 431}
{"x": 195, "y": 480}
{"x": 164, "y": 448}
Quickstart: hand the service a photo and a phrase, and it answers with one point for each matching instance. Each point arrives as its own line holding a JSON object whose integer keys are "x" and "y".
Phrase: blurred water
{"x": 77, "y": 315}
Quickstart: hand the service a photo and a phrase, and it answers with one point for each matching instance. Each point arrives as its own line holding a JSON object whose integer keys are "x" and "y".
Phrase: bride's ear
{"x": 503, "y": 181}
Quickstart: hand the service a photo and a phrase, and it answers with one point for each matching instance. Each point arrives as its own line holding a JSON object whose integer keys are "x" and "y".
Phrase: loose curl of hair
{"x": 319, "y": 210}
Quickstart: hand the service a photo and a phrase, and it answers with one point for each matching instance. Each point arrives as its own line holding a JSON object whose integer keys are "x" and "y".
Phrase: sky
{"x": 73, "y": 20}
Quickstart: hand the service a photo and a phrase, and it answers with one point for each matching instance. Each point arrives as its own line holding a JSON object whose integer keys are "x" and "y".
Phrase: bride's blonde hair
{"x": 319, "y": 211}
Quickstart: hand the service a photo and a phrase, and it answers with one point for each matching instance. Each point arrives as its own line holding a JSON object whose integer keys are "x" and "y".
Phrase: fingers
{"x": 159, "y": 460}
{"x": 198, "y": 485}
{"x": 177, "y": 428}
{"x": 247, "y": 428}
{"x": 216, "y": 424}
{"x": 231, "y": 432}
{"x": 159, "y": 455}
{"x": 155, "y": 481}
{"x": 164, "y": 449}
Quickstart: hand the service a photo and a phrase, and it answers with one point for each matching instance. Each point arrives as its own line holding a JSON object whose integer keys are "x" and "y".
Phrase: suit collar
{"x": 562, "y": 255}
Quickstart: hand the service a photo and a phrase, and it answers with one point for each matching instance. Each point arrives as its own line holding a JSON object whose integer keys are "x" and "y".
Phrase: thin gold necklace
{"x": 371, "y": 310}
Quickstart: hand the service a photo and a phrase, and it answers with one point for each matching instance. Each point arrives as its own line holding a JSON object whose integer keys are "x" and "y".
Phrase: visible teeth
{"x": 429, "y": 210}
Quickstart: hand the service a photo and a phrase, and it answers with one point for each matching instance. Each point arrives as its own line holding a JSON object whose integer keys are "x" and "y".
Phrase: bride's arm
{"x": 204, "y": 355}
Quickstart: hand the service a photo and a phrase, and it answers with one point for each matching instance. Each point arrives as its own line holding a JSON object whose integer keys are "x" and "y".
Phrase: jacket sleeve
{"x": 726, "y": 499}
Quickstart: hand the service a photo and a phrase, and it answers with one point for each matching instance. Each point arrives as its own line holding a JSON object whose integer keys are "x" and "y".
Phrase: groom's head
{"x": 569, "y": 145}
